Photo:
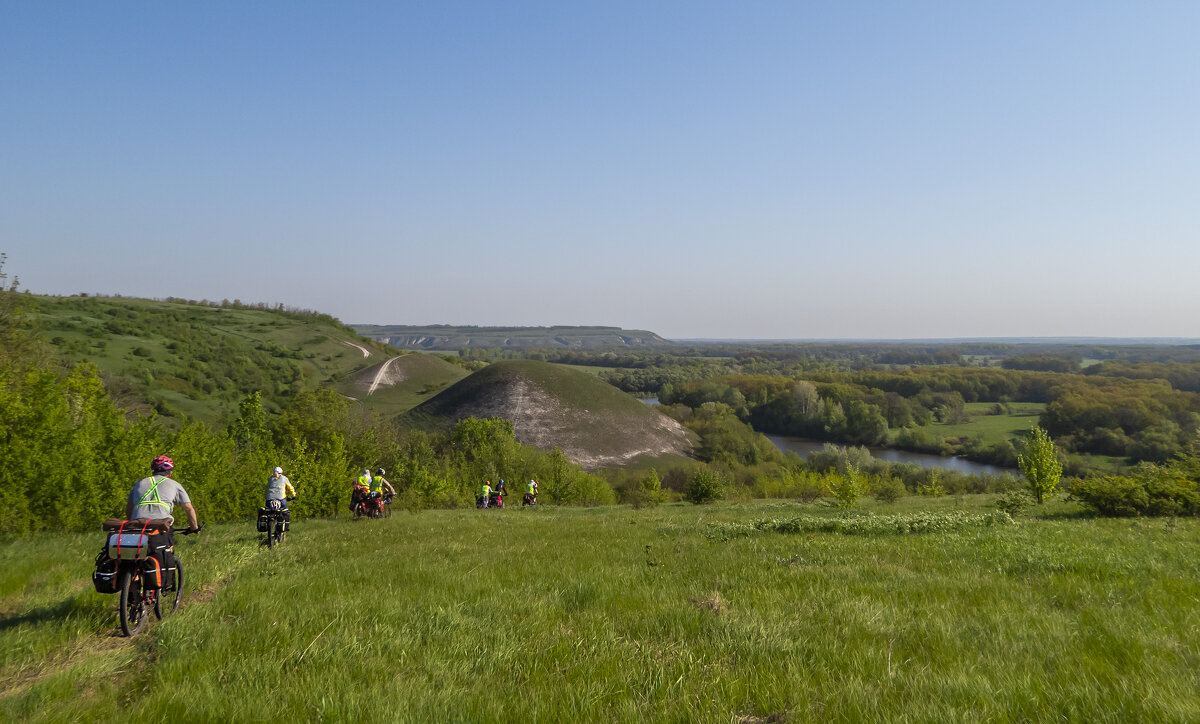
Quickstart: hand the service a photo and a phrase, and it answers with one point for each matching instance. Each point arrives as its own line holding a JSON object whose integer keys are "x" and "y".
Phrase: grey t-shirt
{"x": 149, "y": 502}
{"x": 277, "y": 487}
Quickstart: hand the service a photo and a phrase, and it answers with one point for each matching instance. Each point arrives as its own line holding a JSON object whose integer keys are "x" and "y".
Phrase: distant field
{"x": 993, "y": 428}
{"x": 591, "y": 370}
{"x": 613, "y": 614}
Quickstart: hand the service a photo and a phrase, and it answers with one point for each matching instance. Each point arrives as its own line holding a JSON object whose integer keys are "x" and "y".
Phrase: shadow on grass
{"x": 56, "y": 613}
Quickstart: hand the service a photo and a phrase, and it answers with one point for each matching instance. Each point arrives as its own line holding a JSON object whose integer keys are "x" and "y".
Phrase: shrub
{"x": 848, "y": 487}
{"x": 1155, "y": 491}
{"x": 933, "y": 487}
{"x": 647, "y": 492}
{"x": 705, "y": 486}
{"x": 888, "y": 490}
{"x": 1014, "y": 502}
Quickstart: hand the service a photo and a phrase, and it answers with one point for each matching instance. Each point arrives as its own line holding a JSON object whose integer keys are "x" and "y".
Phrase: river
{"x": 803, "y": 446}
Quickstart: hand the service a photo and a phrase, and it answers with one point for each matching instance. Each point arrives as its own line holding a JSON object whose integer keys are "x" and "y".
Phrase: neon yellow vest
{"x": 151, "y": 496}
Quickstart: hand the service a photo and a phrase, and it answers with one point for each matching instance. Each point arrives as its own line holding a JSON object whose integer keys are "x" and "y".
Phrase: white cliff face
{"x": 588, "y": 438}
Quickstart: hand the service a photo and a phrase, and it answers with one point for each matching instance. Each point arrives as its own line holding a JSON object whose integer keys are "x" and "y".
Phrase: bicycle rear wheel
{"x": 133, "y": 606}
{"x": 174, "y": 581}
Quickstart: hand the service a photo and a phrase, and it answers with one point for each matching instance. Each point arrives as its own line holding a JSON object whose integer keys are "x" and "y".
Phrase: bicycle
{"x": 127, "y": 565}
{"x": 275, "y": 523}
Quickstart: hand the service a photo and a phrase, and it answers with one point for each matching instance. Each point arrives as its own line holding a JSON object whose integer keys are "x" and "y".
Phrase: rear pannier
{"x": 104, "y": 578}
{"x": 152, "y": 573}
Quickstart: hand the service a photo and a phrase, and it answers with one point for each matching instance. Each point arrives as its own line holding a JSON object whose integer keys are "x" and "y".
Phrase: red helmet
{"x": 162, "y": 464}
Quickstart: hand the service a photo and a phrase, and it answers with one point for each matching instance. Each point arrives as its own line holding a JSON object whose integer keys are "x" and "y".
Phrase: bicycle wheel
{"x": 271, "y": 534}
{"x": 133, "y": 607}
{"x": 172, "y": 587}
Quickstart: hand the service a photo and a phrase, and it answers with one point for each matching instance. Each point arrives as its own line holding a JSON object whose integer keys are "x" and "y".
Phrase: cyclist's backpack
{"x": 104, "y": 578}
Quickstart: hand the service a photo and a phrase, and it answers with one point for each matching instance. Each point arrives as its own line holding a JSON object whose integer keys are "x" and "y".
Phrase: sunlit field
{"x": 679, "y": 613}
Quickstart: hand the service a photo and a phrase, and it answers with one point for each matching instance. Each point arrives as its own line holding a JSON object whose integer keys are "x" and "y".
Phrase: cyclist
{"x": 362, "y": 489}
{"x": 484, "y": 492}
{"x": 154, "y": 499}
{"x": 530, "y": 493}
{"x": 279, "y": 489}
{"x": 379, "y": 484}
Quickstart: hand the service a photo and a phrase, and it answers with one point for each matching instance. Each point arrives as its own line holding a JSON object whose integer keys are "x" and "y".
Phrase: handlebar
{"x": 188, "y": 531}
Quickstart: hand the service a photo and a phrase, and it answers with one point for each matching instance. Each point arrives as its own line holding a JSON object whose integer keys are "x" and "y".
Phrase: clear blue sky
{"x": 699, "y": 169}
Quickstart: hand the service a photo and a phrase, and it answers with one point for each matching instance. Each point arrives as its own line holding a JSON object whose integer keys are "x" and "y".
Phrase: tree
{"x": 705, "y": 486}
{"x": 1040, "y": 466}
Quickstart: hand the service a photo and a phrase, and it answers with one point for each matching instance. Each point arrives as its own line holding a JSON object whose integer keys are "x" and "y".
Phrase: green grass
{"x": 612, "y": 614}
{"x": 592, "y": 370}
{"x": 993, "y": 428}
{"x": 424, "y": 376}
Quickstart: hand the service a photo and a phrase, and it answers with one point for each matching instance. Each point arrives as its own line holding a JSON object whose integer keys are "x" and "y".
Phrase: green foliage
{"x": 706, "y": 485}
{"x": 849, "y": 486}
{"x": 932, "y": 487}
{"x": 1150, "y": 491}
{"x": 646, "y": 492}
{"x": 888, "y": 490}
{"x": 1014, "y": 502}
{"x": 1040, "y": 467}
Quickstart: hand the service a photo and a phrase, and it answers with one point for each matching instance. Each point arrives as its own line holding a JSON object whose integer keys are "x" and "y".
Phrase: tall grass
{"x": 612, "y": 614}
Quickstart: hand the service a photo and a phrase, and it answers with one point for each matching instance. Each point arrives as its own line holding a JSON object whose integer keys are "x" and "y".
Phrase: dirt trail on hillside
{"x": 386, "y": 376}
{"x": 366, "y": 352}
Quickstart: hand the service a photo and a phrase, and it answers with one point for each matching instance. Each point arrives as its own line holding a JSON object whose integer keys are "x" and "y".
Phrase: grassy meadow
{"x": 992, "y": 428}
{"x": 615, "y": 614}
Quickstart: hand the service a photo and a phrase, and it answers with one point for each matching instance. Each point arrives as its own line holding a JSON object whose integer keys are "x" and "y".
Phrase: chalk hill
{"x": 550, "y": 406}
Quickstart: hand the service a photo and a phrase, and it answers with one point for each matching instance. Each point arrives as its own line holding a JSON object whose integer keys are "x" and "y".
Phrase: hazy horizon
{"x": 778, "y": 170}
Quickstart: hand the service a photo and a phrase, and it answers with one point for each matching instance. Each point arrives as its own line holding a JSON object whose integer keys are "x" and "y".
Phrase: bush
{"x": 705, "y": 486}
{"x": 1014, "y": 502}
{"x": 1155, "y": 491}
{"x": 848, "y": 487}
{"x": 933, "y": 487}
{"x": 888, "y": 490}
{"x": 645, "y": 493}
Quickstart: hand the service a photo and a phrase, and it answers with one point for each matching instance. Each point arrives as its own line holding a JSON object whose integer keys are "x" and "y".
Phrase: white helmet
{"x": 278, "y": 470}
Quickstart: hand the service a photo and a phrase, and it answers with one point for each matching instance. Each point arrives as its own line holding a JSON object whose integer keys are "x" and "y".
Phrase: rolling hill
{"x": 401, "y": 382}
{"x": 550, "y": 406}
{"x": 199, "y": 359}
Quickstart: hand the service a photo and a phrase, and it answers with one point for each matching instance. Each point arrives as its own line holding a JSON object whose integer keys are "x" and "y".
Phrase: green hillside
{"x": 198, "y": 359}
{"x": 406, "y": 381}
{"x": 551, "y": 406}
{"x": 448, "y": 337}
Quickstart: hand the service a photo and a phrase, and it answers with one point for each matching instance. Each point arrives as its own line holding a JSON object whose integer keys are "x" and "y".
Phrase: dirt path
{"x": 366, "y": 352}
{"x": 381, "y": 374}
